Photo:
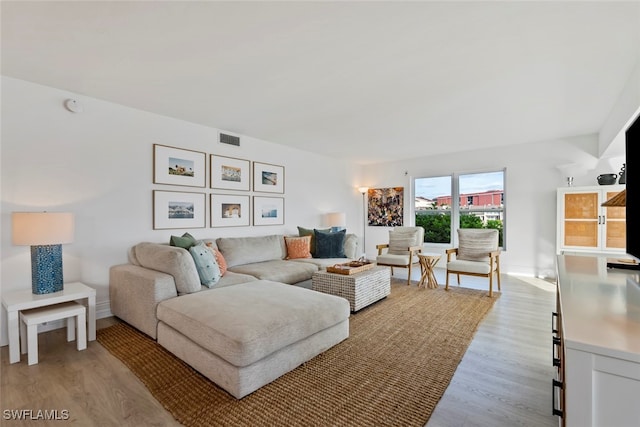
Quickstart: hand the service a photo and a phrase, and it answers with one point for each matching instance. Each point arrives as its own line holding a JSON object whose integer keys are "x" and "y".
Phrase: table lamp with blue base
{"x": 45, "y": 232}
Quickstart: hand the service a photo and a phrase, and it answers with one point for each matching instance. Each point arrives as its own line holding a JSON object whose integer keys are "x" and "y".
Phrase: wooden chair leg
{"x": 409, "y": 276}
{"x": 498, "y": 273}
{"x": 490, "y": 285}
{"x": 458, "y": 279}
{"x": 446, "y": 286}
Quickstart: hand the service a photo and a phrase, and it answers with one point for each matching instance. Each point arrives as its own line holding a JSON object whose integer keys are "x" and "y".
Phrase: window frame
{"x": 456, "y": 208}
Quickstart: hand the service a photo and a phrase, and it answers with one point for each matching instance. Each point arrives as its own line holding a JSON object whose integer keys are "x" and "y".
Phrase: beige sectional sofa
{"x": 251, "y": 327}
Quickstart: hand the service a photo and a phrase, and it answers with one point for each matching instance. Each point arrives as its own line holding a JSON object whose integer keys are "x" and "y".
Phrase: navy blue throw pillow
{"x": 330, "y": 245}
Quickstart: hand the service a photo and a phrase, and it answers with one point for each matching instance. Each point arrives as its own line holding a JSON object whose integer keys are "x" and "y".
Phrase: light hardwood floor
{"x": 504, "y": 378}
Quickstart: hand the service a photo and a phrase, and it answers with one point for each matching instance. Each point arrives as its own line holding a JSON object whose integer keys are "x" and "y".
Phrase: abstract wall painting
{"x": 385, "y": 207}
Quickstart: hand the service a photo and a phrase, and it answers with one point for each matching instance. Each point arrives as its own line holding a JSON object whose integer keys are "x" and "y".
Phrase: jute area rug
{"x": 392, "y": 370}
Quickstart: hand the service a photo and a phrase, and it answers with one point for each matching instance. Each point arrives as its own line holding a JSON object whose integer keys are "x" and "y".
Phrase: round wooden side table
{"x": 427, "y": 262}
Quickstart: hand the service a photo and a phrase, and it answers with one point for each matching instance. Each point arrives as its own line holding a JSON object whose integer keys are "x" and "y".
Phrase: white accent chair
{"x": 404, "y": 245}
{"x": 477, "y": 254}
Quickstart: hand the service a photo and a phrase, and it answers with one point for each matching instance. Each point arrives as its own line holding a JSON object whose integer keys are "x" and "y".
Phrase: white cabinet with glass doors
{"x": 584, "y": 225}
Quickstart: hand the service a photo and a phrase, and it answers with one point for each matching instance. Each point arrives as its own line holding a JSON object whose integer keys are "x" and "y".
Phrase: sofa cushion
{"x": 247, "y": 250}
{"x": 185, "y": 241}
{"x": 232, "y": 279}
{"x": 222, "y": 263}
{"x": 469, "y": 267}
{"x": 206, "y": 264}
{"x": 310, "y": 232}
{"x": 245, "y": 323}
{"x": 351, "y": 246}
{"x": 170, "y": 260}
{"x": 278, "y": 270}
{"x": 298, "y": 247}
{"x": 330, "y": 245}
{"x": 392, "y": 259}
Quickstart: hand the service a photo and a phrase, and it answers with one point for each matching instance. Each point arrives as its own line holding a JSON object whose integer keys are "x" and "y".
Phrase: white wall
{"x": 627, "y": 107}
{"x": 533, "y": 173}
{"x": 98, "y": 165}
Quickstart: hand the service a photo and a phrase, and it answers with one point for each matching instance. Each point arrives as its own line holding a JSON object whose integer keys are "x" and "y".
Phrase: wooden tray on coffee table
{"x": 349, "y": 268}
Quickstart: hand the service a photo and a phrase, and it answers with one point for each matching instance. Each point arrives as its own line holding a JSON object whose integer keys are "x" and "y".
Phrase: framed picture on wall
{"x": 268, "y": 178}
{"x": 228, "y": 173}
{"x": 268, "y": 210}
{"x": 177, "y": 166}
{"x": 385, "y": 206}
{"x": 174, "y": 209}
{"x": 229, "y": 210}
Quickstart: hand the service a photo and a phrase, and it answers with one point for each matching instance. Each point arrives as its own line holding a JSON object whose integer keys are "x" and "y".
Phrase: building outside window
{"x": 445, "y": 203}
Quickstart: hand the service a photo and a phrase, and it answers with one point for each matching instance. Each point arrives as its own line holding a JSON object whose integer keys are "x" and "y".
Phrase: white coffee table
{"x": 360, "y": 289}
{"x": 25, "y": 299}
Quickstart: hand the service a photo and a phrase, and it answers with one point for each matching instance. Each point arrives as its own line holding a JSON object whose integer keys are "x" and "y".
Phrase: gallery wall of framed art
{"x": 228, "y": 173}
{"x": 268, "y": 178}
{"x": 229, "y": 210}
{"x": 233, "y": 179}
{"x": 177, "y": 166}
{"x": 175, "y": 209}
{"x": 268, "y": 210}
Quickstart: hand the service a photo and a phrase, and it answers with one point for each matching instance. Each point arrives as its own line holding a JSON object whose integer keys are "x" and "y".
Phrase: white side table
{"x": 75, "y": 315}
{"x": 25, "y": 299}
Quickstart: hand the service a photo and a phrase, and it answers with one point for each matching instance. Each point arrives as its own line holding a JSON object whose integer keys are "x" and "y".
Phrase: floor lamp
{"x": 364, "y": 190}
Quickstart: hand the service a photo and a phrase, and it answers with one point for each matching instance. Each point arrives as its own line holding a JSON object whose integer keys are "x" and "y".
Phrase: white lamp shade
{"x": 337, "y": 219}
{"x": 363, "y": 189}
{"x": 41, "y": 228}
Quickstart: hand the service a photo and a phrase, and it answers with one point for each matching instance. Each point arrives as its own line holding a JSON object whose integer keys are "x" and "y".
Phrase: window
{"x": 445, "y": 203}
{"x": 433, "y": 208}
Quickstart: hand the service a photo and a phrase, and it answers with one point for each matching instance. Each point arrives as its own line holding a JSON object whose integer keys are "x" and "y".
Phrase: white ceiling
{"x": 370, "y": 81}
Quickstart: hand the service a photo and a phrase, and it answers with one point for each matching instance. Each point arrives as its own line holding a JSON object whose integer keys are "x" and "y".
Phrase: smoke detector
{"x": 73, "y": 106}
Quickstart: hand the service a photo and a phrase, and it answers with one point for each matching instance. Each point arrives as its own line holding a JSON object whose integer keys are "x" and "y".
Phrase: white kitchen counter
{"x": 600, "y": 307}
{"x": 598, "y": 366}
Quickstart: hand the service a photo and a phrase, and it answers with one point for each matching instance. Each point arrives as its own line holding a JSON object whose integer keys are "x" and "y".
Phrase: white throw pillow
{"x": 400, "y": 241}
{"x": 475, "y": 244}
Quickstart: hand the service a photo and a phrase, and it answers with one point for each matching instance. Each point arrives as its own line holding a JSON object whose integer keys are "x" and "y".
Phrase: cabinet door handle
{"x": 557, "y": 342}
{"x": 604, "y": 219}
{"x": 599, "y": 219}
{"x": 554, "y": 316}
{"x": 560, "y": 385}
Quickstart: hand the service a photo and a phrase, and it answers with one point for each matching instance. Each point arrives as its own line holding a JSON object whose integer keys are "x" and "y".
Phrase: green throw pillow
{"x": 330, "y": 245}
{"x": 310, "y": 232}
{"x": 186, "y": 241}
{"x": 206, "y": 264}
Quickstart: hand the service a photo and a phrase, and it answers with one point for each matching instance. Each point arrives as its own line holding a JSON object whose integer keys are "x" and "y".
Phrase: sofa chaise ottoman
{"x": 243, "y": 337}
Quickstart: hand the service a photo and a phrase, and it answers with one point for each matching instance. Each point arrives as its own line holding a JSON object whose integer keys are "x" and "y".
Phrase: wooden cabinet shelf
{"x": 586, "y": 226}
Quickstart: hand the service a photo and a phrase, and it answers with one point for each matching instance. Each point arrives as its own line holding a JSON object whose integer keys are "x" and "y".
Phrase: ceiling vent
{"x": 229, "y": 139}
